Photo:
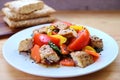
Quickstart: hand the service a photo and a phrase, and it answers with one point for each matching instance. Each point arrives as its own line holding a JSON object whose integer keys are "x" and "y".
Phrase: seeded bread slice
{"x": 48, "y": 55}
{"x": 81, "y": 58}
{"x": 28, "y": 23}
{"x": 25, "y": 6}
{"x": 18, "y": 17}
{"x": 25, "y": 45}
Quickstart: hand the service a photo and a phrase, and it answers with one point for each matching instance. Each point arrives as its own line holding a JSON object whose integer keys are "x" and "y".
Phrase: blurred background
{"x": 80, "y": 4}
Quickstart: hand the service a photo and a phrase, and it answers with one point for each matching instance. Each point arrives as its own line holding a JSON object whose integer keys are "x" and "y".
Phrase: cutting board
{"x": 5, "y": 30}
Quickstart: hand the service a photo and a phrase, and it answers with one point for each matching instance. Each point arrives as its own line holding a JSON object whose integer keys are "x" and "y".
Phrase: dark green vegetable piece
{"x": 98, "y": 50}
{"x": 54, "y": 47}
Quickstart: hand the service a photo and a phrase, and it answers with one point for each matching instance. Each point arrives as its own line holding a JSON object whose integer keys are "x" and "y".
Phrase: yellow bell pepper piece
{"x": 76, "y": 27}
{"x": 62, "y": 39}
{"x": 89, "y": 48}
{"x": 49, "y": 30}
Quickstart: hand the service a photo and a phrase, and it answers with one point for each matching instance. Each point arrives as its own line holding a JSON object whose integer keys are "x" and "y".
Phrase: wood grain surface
{"x": 106, "y": 21}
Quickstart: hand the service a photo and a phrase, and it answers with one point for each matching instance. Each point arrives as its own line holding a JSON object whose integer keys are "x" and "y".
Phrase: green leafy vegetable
{"x": 55, "y": 48}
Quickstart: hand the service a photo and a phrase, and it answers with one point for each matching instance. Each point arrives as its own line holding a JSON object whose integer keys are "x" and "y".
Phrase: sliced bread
{"x": 17, "y": 17}
{"x": 28, "y": 23}
{"x": 25, "y": 6}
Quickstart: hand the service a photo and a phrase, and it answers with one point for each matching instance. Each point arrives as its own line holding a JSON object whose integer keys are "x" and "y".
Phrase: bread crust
{"x": 28, "y": 23}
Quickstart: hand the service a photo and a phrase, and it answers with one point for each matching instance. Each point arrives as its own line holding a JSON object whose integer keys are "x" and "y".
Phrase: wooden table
{"x": 107, "y": 21}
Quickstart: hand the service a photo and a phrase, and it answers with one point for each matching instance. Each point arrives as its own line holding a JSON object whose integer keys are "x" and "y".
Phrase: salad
{"x": 64, "y": 44}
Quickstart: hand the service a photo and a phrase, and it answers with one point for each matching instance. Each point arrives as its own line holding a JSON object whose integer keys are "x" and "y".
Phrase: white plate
{"x": 24, "y": 63}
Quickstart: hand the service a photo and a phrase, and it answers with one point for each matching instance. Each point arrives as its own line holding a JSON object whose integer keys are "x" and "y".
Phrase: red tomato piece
{"x": 67, "y": 62}
{"x": 41, "y": 39}
{"x": 64, "y": 50}
{"x": 35, "y": 55}
{"x": 81, "y": 41}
